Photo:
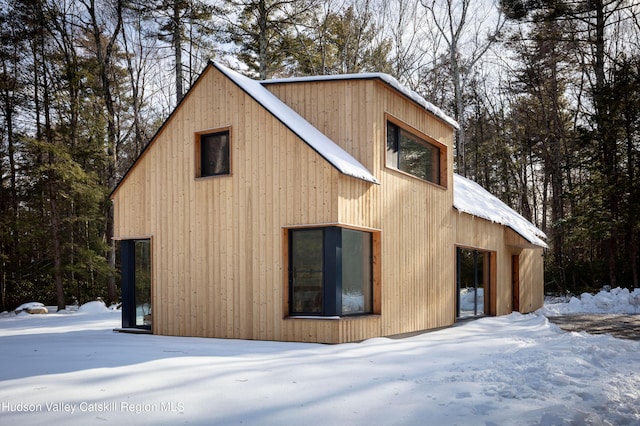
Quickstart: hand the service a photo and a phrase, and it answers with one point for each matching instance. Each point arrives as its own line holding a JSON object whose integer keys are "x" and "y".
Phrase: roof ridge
{"x": 318, "y": 141}
{"x": 385, "y": 78}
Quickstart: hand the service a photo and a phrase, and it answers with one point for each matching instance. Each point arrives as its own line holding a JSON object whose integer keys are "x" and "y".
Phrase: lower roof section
{"x": 469, "y": 197}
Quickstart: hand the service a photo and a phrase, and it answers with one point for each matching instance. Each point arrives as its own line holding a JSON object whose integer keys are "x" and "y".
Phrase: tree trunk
{"x": 263, "y": 42}
{"x": 135, "y": 99}
{"x": 177, "y": 50}
{"x": 56, "y": 244}
{"x": 633, "y": 257}
{"x": 607, "y": 142}
{"x": 105, "y": 63}
{"x": 12, "y": 242}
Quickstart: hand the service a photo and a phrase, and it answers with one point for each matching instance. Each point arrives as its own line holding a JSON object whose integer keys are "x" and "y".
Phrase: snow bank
{"x": 31, "y": 308}
{"x": 510, "y": 370}
{"x": 616, "y": 301}
{"x": 95, "y": 307}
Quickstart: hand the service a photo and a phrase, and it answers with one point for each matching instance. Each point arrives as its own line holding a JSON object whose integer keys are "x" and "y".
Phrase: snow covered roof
{"x": 471, "y": 198}
{"x": 386, "y": 78}
{"x": 328, "y": 149}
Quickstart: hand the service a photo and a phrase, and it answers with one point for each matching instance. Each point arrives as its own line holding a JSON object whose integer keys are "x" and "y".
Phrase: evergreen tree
{"x": 342, "y": 42}
{"x": 182, "y": 24}
{"x": 596, "y": 181}
{"x": 13, "y": 41}
{"x": 264, "y": 33}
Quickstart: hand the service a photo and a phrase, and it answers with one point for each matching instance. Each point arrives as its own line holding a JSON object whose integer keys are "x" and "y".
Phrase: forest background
{"x": 547, "y": 94}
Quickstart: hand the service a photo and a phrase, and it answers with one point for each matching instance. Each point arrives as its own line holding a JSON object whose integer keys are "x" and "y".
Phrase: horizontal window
{"x": 412, "y": 154}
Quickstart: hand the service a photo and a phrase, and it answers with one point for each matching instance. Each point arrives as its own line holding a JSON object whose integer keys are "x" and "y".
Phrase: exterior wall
{"x": 417, "y": 262}
{"x": 531, "y": 280}
{"x": 217, "y": 247}
{"x": 478, "y": 233}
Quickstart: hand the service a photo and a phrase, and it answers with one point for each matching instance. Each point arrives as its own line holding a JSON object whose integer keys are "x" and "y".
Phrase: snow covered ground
{"x": 614, "y": 301}
{"x": 72, "y": 368}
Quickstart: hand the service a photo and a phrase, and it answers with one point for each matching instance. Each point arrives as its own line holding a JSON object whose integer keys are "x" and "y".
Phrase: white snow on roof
{"x": 471, "y": 198}
{"x": 332, "y": 152}
{"x": 390, "y": 80}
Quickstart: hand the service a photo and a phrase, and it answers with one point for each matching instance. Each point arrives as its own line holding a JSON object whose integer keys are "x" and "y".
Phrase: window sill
{"x": 314, "y": 317}
{"x": 403, "y": 173}
{"x": 333, "y": 318}
{"x": 213, "y": 176}
{"x": 133, "y": 330}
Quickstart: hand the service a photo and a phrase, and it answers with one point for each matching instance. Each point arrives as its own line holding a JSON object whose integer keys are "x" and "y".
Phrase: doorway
{"x": 135, "y": 264}
{"x": 473, "y": 277}
{"x": 515, "y": 282}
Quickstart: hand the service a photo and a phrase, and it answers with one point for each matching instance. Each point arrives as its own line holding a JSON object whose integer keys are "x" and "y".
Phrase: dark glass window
{"x": 473, "y": 275}
{"x": 411, "y": 154}
{"x": 330, "y": 272}
{"x": 135, "y": 264}
{"x": 307, "y": 271}
{"x": 356, "y": 272}
{"x": 214, "y": 154}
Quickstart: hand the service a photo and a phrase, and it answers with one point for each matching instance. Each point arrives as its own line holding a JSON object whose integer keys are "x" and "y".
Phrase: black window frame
{"x": 132, "y": 292}
{"x": 332, "y": 288}
{"x": 480, "y": 272}
{"x": 394, "y": 152}
{"x": 204, "y": 142}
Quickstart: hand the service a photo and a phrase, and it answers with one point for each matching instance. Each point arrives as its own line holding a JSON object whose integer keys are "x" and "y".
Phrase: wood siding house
{"x": 313, "y": 210}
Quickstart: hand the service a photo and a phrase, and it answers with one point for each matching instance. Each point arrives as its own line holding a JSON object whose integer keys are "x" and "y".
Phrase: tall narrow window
{"x": 412, "y": 154}
{"x": 330, "y": 272}
{"x": 214, "y": 155}
{"x": 356, "y": 272}
{"x": 473, "y": 276}
{"x": 135, "y": 263}
{"x": 307, "y": 271}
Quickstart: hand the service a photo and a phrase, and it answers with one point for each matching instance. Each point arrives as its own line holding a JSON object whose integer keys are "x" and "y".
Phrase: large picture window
{"x": 330, "y": 272}
{"x": 212, "y": 154}
{"x": 412, "y": 154}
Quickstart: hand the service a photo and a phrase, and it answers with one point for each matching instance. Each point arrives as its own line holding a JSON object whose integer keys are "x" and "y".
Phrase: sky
{"x": 72, "y": 368}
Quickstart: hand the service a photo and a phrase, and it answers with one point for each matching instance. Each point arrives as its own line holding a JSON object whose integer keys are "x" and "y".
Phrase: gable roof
{"x": 385, "y": 78}
{"x": 471, "y": 198}
{"x": 329, "y": 150}
{"x": 318, "y": 141}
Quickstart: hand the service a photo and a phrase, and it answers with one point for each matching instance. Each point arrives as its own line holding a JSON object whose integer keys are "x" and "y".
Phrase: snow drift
{"x": 510, "y": 370}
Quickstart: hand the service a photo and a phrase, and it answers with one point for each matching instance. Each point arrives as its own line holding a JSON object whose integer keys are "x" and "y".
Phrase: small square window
{"x": 212, "y": 154}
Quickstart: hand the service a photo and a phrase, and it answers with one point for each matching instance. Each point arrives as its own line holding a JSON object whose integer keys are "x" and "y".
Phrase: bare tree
{"x": 405, "y": 22}
{"x": 468, "y": 30}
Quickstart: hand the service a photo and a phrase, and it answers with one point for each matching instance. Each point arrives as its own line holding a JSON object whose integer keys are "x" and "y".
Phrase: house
{"x": 318, "y": 209}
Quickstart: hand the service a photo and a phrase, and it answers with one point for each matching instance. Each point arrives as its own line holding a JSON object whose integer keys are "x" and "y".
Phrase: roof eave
{"x": 360, "y": 173}
{"x": 533, "y": 243}
{"x": 385, "y": 79}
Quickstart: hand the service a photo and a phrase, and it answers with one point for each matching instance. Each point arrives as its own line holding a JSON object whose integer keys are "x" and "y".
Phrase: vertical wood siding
{"x": 417, "y": 270}
{"x": 219, "y": 255}
{"x": 531, "y": 280}
{"x": 217, "y": 266}
{"x": 477, "y": 233}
